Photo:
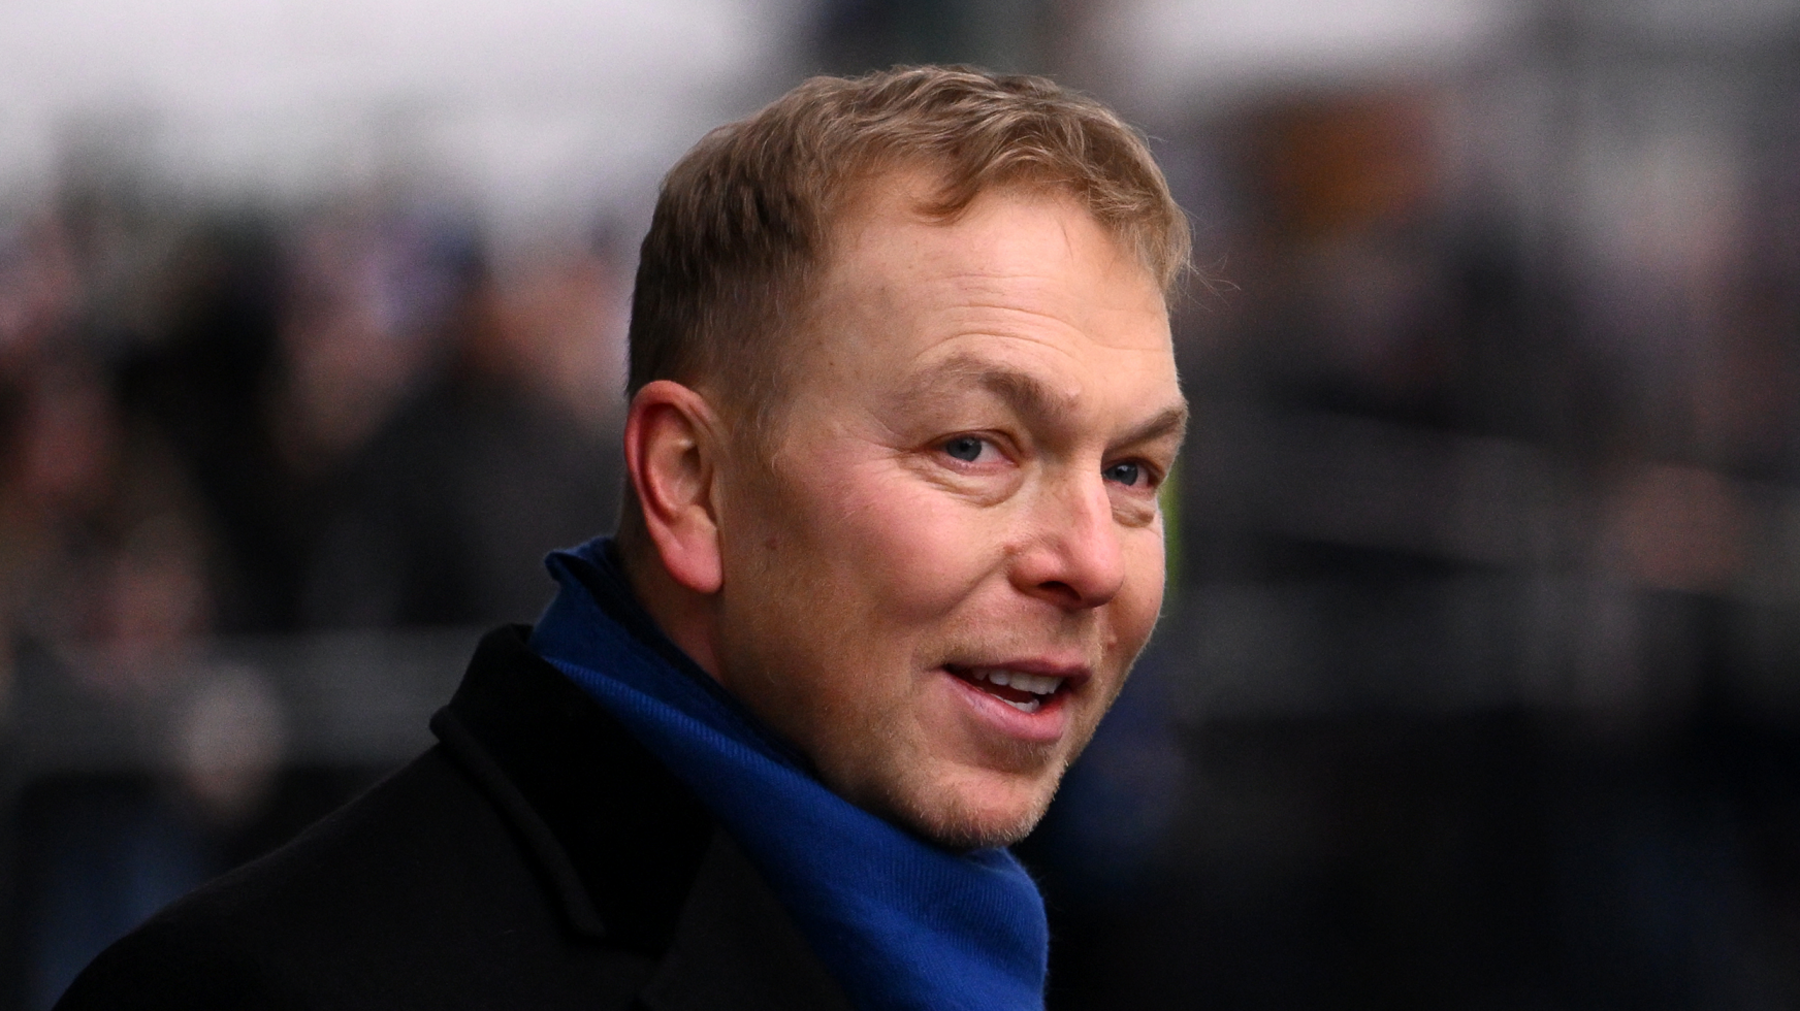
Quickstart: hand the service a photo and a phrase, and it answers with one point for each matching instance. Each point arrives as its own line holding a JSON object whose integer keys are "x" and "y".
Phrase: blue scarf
{"x": 904, "y": 924}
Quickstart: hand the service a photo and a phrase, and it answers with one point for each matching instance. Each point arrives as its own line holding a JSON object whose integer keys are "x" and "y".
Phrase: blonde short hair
{"x": 744, "y": 221}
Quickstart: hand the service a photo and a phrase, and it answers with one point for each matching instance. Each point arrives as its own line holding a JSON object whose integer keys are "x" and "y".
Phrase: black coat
{"x": 537, "y": 857}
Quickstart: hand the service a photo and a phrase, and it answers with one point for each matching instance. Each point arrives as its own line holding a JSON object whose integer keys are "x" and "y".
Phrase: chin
{"x": 974, "y": 816}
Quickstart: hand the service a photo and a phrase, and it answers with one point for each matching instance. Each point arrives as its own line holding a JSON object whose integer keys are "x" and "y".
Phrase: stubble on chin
{"x": 956, "y": 807}
{"x": 964, "y": 819}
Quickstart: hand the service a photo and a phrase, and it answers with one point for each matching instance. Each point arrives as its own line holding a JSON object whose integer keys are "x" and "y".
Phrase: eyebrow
{"x": 1027, "y": 395}
{"x": 1172, "y": 422}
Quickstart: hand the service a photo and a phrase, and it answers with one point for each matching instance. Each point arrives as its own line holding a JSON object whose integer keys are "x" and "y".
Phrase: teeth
{"x": 1036, "y": 684}
{"x": 1024, "y": 707}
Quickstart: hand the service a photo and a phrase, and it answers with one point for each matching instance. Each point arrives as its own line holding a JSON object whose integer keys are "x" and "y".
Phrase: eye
{"x": 966, "y": 448}
{"x": 1128, "y": 473}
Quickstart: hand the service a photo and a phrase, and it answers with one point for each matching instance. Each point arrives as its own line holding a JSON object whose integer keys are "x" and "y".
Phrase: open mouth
{"x": 1025, "y": 692}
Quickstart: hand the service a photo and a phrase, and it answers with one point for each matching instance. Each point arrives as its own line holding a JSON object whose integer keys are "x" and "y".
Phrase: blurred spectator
{"x": 105, "y": 543}
{"x": 446, "y": 513}
{"x": 105, "y": 564}
{"x": 367, "y": 298}
{"x": 201, "y": 379}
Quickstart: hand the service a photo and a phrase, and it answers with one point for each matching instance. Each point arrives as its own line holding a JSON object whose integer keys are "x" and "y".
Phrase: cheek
{"x": 1140, "y": 600}
{"x": 908, "y": 551}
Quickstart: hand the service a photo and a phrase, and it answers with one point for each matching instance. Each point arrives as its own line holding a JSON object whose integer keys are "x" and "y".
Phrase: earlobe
{"x": 670, "y": 456}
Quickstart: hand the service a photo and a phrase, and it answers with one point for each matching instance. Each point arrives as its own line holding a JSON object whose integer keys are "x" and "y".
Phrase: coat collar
{"x": 618, "y": 836}
{"x": 629, "y": 854}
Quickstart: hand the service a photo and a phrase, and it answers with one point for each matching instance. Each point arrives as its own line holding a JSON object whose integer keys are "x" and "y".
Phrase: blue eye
{"x": 1124, "y": 473}
{"x": 966, "y": 448}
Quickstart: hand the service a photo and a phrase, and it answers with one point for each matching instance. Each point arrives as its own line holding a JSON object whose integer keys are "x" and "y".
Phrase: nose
{"x": 1073, "y": 557}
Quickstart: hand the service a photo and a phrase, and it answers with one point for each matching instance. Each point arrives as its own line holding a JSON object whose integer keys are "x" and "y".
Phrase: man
{"x": 902, "y": 393}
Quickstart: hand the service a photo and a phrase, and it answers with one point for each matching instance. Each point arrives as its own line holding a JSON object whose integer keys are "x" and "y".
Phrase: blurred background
{"x": 1479, "y": 683}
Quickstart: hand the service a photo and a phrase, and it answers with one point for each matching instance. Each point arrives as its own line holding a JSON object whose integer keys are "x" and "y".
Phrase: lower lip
{"x": 1042, "y": 727}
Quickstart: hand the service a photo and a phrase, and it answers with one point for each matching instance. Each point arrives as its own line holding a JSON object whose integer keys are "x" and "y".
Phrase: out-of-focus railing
{"x": 130, "y": 777}
{"x": 350, "y": 698}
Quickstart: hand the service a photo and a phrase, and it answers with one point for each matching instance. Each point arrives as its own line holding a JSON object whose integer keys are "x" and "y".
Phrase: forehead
{"x": 897, "y": 210}
{"x": 1025, "y": 274}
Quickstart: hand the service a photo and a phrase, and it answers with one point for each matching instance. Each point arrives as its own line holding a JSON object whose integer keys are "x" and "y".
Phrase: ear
{"x": 671, "y": 447}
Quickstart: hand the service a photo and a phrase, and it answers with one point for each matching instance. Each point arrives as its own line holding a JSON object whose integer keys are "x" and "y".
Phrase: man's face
{"x": 936, "y": 580}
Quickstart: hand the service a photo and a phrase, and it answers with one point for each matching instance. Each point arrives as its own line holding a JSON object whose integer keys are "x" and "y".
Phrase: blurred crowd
{"x": 244, "y": 421}
{"x": 1518, "y": 346}
{"x": 253, "y": 422}
{"x": 1482, "y": 669}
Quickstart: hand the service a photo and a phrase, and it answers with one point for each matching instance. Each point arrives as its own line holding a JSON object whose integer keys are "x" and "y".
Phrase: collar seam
{"x": 548, "y": 851}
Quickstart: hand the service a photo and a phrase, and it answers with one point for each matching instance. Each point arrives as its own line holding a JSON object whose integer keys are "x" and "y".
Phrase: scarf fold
{"x": 904, "y": 924}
